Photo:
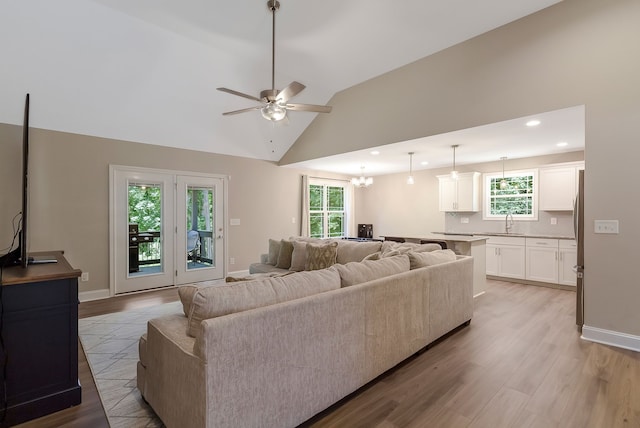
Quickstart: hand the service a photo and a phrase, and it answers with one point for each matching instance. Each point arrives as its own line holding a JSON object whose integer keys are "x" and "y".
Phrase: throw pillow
{"x": 430, "y": 258}
{"x": 285, "y": 254}
{"x": 298, "y": 256}
{"x": 274, "y": 251}
{"x": 374, "y": 256}
{"x": 353, "y": 251}
{"x": 321, "y": 256}
{"x": 186, "y": 293}
{"x": 367, "y": 270}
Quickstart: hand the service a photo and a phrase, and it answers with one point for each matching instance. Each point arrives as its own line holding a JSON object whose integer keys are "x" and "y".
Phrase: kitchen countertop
{"x": 453, "y": 236}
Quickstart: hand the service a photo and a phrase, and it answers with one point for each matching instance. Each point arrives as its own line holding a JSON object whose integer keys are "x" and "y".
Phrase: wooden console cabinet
{"x": 40, "y": 335}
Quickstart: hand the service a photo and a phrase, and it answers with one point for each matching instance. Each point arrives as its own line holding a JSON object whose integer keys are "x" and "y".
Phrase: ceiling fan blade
{"x": 241, "y": 111}
{"x": 309, "y": 107}
{"x": 240, "y": 94}
{"x": 290, "y": 91}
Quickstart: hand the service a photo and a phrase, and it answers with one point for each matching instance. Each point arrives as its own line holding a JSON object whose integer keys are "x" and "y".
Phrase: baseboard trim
{"x": 479, "y": 294}
{"x": 612, "y": 338}
{"x": 86, "y": 296}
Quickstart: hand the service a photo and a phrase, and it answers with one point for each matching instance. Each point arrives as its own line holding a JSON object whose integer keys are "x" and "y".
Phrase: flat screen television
{"x": 18, "y": 256}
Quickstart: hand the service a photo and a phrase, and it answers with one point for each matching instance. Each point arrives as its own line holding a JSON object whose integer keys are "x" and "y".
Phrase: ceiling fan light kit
{"x": 274, "y": 102}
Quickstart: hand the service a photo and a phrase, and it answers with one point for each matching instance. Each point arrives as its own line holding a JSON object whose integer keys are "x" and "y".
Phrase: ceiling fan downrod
{"x": 273, "y": 5}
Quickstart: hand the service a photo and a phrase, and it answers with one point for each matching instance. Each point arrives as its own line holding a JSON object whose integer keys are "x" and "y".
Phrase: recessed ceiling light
{"x": 562, "y": 144}
{"x": 375, "y": 152}
{"x": 424, "y": 163}
{"x": 534, "y": 122}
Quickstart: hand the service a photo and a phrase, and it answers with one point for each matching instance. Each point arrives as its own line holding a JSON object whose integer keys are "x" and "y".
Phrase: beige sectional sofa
{"x": 275, "y": 352}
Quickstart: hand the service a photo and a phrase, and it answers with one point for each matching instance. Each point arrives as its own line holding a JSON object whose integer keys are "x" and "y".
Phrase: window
{"x": 518, "y": 196}
{"x": 328, "y": 208}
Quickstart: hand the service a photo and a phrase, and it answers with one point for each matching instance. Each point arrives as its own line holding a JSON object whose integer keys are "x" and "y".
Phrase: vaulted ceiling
{"x": 147, "y": 70}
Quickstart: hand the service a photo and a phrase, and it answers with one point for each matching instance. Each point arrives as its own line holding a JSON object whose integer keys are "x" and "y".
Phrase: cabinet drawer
{"x": 542, "y": 242}
{"x": 506, "y": 240}
{"x": 567, "y": 243}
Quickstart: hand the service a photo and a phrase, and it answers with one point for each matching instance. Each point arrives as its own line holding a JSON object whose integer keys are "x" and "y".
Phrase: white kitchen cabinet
{"x": 542, "y": 260}
{"x": 551, "y": 260}
{"x": 461, "y": 194}
{"x": 558, "y": 186}
{"x": 506, "y": 257}
{"x": 568, "y": 256}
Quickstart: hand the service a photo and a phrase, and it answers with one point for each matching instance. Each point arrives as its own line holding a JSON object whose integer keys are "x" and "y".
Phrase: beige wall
{"x": 578, "y": 52}
{"x": 69, "y": 195}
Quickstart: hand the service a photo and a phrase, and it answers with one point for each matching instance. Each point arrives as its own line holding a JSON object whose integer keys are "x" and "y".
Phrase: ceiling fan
{"x": 274, "y": 102}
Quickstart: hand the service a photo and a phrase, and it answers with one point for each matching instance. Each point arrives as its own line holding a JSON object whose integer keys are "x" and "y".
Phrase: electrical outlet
{"x": 606, "y": 226}
{"x": 293, "y": 220}
{"x": 464, "y": 220}
{"x": 554, "y": 220}
{"x": 232, "y": 261}
{"x": 84, "y": 277}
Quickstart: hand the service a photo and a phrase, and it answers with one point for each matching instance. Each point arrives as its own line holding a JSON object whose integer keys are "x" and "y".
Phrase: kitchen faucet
{"x": 508, "y": 225}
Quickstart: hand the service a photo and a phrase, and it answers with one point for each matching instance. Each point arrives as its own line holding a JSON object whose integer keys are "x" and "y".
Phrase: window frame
{"x": 347, "y": 205}
{"x": 487, "y": 177}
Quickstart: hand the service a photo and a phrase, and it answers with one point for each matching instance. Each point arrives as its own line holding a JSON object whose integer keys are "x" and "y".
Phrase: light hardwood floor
{"x": 521, "y": 363}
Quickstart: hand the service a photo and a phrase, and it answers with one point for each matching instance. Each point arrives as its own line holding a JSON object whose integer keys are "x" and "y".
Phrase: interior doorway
{"x": 166, "y": 228}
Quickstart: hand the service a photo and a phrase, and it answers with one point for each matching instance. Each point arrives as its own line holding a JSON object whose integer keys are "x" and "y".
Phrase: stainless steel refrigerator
{"x": 578, "y": 228}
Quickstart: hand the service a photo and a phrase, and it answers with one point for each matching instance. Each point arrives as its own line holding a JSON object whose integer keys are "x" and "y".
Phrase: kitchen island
{"x": 466, "y": 245}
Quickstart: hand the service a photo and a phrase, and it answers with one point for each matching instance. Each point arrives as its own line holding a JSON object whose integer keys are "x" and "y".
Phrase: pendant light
{"x": 362, "y": 181}
{"x": 410, "y": 179}
{"x": 503, "y": 182}
{"x": 454, "y": 173}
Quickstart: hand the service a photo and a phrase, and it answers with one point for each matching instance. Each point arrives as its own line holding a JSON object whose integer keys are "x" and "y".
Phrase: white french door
{"x": 200, "y": 233}
{"x": 166, "y": 228}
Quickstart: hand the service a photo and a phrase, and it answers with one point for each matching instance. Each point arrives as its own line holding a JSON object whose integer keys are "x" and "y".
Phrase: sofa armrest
{"x": 450, "y": 295}
{"x": 173, "y": 379}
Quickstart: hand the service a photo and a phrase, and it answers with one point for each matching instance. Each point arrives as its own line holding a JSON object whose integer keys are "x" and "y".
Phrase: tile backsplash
{"x": 562, "y": 228}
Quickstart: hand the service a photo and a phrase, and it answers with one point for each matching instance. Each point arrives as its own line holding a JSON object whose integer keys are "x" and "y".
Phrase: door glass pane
{"x": 145, "y": 226}
{"x": 200, "y": 227}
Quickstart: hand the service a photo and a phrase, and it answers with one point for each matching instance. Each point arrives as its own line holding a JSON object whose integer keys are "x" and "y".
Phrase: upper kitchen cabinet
{"x": 558, "y": 186}
{"x": 462, "y": 194}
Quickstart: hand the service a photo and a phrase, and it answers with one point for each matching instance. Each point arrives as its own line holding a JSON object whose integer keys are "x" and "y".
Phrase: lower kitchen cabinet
{"x": 542, "y": 259}
{"x": 568, "y": 257}
{"x": 506, "y": 257}
{"x": 534, "y": 259}
{"x": 551, "y": 260}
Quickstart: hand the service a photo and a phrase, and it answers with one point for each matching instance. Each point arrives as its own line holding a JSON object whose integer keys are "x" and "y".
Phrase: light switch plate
{"x": 606, "y": 226}
{"x": 464, "y": 220}
{"x": 234, "y": 222}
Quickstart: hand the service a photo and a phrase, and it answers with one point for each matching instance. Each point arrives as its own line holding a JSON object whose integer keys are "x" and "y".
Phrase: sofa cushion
{"x": 284, "y": 256}
{"x": 424, "y": 259}
{"x": 274, "y": 251}
{"x": 320, "y": 256}
{"x": 367, "y": 270}
{"x": 212, "y": 302}
{"x": 298, "y": 256}
{"x": 353, "y": 251}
